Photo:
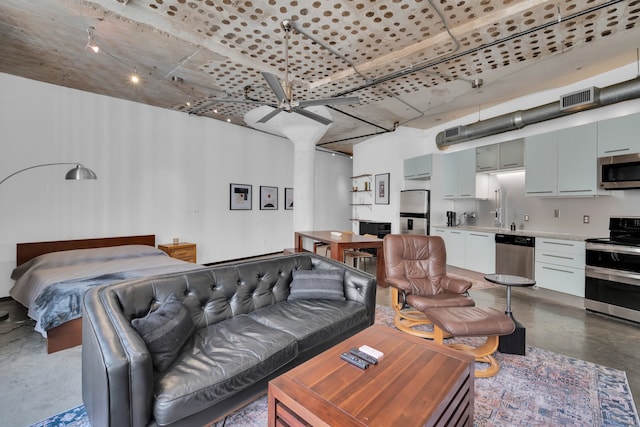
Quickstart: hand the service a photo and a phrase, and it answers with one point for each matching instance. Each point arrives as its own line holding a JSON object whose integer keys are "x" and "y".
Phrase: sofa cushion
{"x": 312, "y": 322}
{"x": 165, "y": 331}
{"x": 317, "y": 284}
{"x": 219, "y": 361}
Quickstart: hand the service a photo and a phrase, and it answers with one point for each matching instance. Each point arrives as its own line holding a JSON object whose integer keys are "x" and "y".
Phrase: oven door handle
{"x": 612, "y": 275}
{"x": 603, "y": 247}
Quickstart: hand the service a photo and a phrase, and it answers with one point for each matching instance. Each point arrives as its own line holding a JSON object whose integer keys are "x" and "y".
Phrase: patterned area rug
{"x": 539, "y": 389}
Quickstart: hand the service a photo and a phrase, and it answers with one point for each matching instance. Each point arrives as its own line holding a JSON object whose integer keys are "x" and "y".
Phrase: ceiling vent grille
{"x": 580, "y": 99}
{"x": 452, "y": 132}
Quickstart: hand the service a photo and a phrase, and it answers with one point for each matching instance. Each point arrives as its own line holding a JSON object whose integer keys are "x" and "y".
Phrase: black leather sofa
{"x": 247, "y": 332}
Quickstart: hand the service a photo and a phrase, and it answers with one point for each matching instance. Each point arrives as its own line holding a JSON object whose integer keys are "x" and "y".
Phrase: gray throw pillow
{"x": 317, "y": 284}
{"x": 165, "y": 331}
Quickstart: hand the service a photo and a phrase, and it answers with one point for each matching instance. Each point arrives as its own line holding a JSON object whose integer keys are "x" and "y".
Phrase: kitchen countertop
{"x": 541, "y": 234}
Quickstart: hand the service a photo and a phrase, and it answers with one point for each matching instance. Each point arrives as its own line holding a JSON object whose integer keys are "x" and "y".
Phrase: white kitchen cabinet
{"x": 472, "y": 250}
{"x": 563, "y": 163}
{"x": 511, "y": 154}
{"x": 460, "y": 180}
{"x": 619, "y": 136}
{"x": 541, "y": 163}
{"x": 418, "y": 167}
{"x": 487, "y": 158}
{"x": 560, "y": 265}
{"x": 480, "y": 252}
{"x": 578, "y": 161}
{"x": 454, "y": 242}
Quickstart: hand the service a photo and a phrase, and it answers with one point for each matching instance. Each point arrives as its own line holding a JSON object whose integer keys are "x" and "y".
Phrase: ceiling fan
{"x": 286, "y": 102}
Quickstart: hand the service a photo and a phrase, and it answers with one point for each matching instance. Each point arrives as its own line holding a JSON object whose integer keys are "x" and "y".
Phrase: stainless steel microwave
{"x": 619, "y": 172}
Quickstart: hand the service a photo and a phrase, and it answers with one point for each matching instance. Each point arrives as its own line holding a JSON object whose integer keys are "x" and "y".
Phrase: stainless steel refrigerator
{"x": 414, "y": 211}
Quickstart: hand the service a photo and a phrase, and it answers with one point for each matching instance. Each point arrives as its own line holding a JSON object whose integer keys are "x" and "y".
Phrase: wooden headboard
{"x": 27, "y": 251}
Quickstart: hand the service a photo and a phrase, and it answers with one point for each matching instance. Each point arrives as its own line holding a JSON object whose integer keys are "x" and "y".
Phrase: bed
{"x": 51, "y": 278}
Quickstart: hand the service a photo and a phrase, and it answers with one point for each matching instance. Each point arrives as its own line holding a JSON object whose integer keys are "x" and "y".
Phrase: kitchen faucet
{"x": 498, "y": 219}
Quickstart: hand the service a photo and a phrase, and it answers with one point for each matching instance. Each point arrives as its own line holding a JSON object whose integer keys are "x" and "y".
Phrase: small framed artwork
{"x": 288, "y": 198}
{"x": 268, "y": 198}
{"x": 382, "y": 189}
{"x": 240, "y": 197}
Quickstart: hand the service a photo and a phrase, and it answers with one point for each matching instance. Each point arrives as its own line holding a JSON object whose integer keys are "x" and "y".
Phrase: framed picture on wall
{"x": 268, "y": 198}
{"x": 382, "y": 189}
{"x": 288, "y": 198}
{"x": 240, "y": 197}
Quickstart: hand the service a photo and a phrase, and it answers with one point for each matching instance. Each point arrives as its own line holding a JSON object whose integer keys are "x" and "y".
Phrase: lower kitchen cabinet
{"x": 560, "y": 265}
{"x": 480, "y": 252}
{"x": 472, "y": 250}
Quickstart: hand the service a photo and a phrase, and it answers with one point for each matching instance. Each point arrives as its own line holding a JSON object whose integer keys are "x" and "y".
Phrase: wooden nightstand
{"x": 184, "y": 251}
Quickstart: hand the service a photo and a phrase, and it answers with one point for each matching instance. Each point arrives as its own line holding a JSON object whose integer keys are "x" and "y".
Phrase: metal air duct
{"x": 613, "y": 94}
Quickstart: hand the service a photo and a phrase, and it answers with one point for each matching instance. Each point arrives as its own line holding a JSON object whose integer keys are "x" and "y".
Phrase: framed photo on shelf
{"x": 268, "y": 198}
{"x": 288, "y": 198}
{"x": 381, "y": 189}
{"x": 239, "y": 197}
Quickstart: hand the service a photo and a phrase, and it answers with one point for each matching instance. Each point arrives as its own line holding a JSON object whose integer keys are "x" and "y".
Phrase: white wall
{"x": 159, "y": 172}
{"x": 387, "y": 152}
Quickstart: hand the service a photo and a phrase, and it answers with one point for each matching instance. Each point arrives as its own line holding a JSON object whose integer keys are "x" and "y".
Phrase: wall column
{"x": 304, "y": 133}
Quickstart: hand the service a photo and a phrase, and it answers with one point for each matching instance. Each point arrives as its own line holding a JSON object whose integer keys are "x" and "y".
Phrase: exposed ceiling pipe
{"x": 613, "y": 94}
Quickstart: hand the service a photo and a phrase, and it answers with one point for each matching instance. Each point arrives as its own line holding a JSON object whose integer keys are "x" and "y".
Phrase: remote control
{"x": 354, "y": 360}
{"x": 371, "y": 351}
{"x": 364, "y": 356}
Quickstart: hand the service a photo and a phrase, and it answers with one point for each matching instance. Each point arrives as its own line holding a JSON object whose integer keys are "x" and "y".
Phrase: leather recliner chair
{"x": 416, "y": 270}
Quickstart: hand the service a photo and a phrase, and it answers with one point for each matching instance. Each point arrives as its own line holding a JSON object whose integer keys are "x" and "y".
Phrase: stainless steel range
{"x": 612, "y": 273}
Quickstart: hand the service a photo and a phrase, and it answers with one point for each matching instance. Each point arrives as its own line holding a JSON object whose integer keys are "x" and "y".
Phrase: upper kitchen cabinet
{"x": 541, "y": 177}
{"x": 505, "y": 155}
{"x": 418, "y": 167}
{"x": 460, "y": 180}
{"x": 487, "y": 158}
{"x": 578, "y": 161}
{"x": 619, "y": 136}
{"x": 511, "y": 154}
{"x": 562, "y": 163}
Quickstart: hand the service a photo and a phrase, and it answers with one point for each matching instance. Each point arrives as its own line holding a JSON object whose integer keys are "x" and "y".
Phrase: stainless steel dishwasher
{"x": 515, "y": 255}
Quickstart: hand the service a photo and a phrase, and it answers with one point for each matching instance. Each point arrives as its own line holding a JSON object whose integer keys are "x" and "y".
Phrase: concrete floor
{"x": 36, "y": 385}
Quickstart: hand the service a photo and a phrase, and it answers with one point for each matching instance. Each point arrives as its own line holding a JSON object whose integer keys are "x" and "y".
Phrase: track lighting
{"x": 91, "y": 43}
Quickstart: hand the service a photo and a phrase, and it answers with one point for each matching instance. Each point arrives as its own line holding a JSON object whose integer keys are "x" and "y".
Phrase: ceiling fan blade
{"x": 271, "y": 115}
{"x": 330, "y": 101}
{"x": 276, "y": 87}
{"x": 312, "y": 116}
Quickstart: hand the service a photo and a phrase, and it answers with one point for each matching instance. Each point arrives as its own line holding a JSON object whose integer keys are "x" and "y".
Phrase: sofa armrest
{"x": 117, "y": 370}
{"x": 359, "y": 286}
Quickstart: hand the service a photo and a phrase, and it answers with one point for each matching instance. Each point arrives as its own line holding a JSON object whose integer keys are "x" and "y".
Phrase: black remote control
{"x": 354, "y": 360}
{"x": 364, "y": 356}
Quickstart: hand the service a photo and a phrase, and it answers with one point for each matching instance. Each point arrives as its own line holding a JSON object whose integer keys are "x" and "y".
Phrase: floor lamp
{"x": 79, "y": 172}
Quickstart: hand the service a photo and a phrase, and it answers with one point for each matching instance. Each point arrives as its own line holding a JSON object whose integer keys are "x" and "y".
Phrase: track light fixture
{"x": 91, "y": 43}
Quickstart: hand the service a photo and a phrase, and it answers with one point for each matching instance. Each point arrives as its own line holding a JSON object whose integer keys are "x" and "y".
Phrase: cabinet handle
{"x": 616, "y": 151}
{"x": 557, "y": 269}
{"x": 456, "y": 232}
{"x": 549, "y": 242}
{"x": 479, "y": 235}
{"x": 558, "y": 256}
{"x": 540, "y": 192}
{"x": 574, "y": 191}
{"x": 465, "y": 195}
{"x": 510, "y": 164}
{"x": 484, "y": 168}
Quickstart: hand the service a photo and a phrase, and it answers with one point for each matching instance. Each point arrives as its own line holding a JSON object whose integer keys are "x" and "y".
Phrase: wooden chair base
{"x": 483, "y": 353}
{"x": 406, "y": 319}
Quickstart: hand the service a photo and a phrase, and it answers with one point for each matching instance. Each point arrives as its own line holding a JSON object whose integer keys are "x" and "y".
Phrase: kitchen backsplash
{"x": 541, "y": 211}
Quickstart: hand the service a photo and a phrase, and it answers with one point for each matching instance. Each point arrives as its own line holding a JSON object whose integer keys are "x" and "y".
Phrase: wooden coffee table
{"x": 415, "y": 383}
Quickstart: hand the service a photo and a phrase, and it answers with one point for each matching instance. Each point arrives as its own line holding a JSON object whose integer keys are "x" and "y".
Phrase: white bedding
{"x": 51, "y": 286}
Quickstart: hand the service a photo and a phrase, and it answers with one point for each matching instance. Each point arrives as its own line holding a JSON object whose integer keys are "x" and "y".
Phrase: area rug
{"x": 540, "y": 389}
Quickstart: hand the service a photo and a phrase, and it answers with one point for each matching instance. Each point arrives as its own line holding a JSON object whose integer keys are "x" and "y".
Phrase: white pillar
{"x": 304, "y": 133}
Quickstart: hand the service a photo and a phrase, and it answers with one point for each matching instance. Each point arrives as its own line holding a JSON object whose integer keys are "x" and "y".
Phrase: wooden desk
{"x": 346, "y": 241}
{"x": 416, "y": 383}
